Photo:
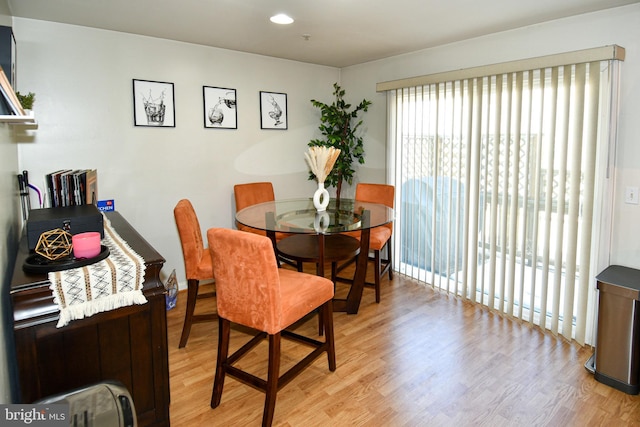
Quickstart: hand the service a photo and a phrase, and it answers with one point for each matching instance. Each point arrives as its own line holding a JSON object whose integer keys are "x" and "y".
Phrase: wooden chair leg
{"x": 376, "y": 270}
{"x": 327, "y": 311}
{"x": 381, "y": 269}
{"x": 224, "y": 334}
{"x": 273, "y": 373}
{"x": 274, "y": 381}
{"x": 320, "y": 322}
{"x": 192, "y": 296}
{"x": 389, "y": 269}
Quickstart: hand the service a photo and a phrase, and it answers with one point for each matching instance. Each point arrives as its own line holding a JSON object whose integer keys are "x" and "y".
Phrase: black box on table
{"x": 74, "y": 219}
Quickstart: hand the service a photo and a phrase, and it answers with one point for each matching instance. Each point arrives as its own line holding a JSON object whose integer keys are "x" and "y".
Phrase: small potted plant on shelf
{"x": 26, "y": 101}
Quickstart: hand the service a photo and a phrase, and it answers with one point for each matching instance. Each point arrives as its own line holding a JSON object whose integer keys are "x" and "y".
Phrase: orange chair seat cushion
{"x": 204, "y": 268}
{"x": 377, "y": 237}
{"x": 300, "y": 294}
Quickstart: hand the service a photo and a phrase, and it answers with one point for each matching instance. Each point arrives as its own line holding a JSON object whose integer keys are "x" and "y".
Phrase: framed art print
{"x": 220, "y": 108}
{"x": 273, "y": 110}
{"x": 153, "y": 104}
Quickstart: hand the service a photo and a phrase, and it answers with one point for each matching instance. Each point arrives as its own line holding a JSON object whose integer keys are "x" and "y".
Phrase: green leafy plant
{"x": 26, "y": 100}
{"x": 339, "y": 126}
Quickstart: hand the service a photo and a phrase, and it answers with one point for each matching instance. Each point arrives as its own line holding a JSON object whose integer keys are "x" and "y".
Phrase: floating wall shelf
{"x": 18, "y": 119}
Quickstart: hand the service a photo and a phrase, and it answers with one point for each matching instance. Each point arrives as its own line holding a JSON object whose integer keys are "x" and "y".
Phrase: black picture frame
{"x": 153, "y": 104}
{"x": 219, "y": 105}
{"x": 273, "y": 110}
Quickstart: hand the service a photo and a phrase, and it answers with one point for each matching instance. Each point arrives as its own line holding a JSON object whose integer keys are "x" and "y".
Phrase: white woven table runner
{"x": 111, "y": 283}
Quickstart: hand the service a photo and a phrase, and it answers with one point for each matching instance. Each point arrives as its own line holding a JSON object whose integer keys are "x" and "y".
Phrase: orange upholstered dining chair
{"x": 380, "y": 237}
{"x": 197, "y": 265}
{"x": 250, "y": 194}
{"x": 252, "y": 291}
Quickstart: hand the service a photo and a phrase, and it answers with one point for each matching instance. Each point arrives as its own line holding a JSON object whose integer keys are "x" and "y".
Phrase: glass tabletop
{"x": 300, "y": 216}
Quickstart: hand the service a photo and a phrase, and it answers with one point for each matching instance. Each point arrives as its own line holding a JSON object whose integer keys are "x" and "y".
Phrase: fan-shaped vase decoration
{"x": 54, "y": 244}
{"x": 321, "y": 160}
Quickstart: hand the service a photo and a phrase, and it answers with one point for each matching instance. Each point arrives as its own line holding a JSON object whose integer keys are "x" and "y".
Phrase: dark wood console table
{"x": 128, "y": 344}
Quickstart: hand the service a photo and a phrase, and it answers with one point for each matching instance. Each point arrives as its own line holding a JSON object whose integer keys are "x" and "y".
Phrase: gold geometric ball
{"x": 54, "y": 244}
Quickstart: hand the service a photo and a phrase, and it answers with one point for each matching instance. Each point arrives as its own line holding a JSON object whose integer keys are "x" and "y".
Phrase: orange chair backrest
{"x": 247, "y": 279}
{"x": 252, "y": 193}
{"x": 376, "y": 193}
{"x": 190, "y": 237}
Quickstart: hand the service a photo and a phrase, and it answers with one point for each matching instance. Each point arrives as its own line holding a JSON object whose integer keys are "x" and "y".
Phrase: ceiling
{"x": 335, "y": 33}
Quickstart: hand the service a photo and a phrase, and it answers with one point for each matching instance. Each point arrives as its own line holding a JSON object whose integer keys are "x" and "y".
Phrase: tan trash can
{"x": 617, "y": 357}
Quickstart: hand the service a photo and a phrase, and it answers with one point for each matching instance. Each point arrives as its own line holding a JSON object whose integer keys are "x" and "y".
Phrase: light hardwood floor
{"x": 419, "y": 358}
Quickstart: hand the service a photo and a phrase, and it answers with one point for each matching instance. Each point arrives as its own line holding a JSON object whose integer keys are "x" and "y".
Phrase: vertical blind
{"x": 500, "y": 182}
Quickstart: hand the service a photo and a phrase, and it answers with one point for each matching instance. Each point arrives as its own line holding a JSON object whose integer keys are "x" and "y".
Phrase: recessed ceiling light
{"x": 281, "y": 18}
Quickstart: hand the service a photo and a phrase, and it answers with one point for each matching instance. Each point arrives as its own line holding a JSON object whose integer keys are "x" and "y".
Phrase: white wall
{"x": 83, "y": 83}
{"x": 619, "y": 26}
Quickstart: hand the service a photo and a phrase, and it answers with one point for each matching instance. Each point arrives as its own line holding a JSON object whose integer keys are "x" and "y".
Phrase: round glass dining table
{"x": 300, "y": 216}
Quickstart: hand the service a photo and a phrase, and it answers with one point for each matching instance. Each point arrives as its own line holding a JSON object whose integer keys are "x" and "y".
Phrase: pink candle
{"x": 86, "y": 245}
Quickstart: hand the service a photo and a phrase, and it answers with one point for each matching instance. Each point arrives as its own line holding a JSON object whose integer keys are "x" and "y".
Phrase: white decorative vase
{"x": 321, "y": 222}
{"x": 321, "y": 198}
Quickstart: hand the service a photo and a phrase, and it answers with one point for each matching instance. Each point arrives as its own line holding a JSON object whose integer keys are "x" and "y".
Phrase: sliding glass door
{"x": 499, "y": 178}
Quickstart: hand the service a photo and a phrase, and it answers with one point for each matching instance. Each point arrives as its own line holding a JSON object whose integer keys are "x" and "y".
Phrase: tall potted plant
{"x": 339, "y": 126}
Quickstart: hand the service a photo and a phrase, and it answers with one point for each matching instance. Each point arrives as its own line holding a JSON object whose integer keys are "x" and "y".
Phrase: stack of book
{"x": 9, "y": 103}
{"x": 72, "y": 187}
